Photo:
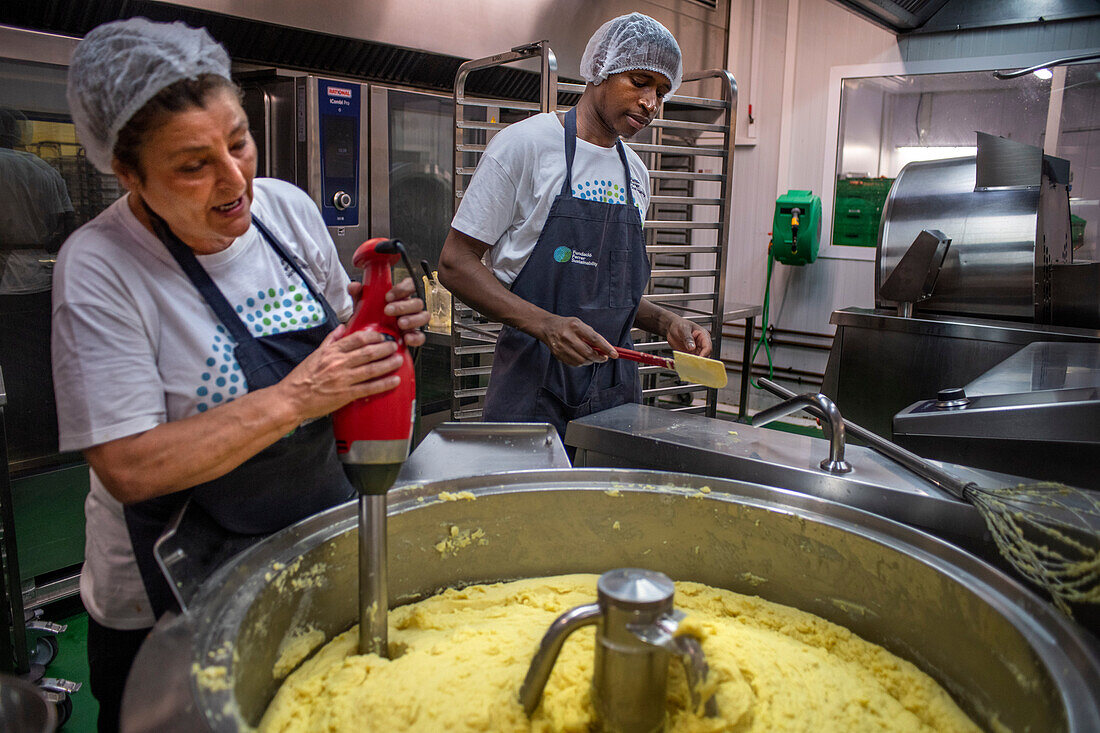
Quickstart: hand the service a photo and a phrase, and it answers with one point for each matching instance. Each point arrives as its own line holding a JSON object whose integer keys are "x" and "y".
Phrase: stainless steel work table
{"x": 636, "y": 436}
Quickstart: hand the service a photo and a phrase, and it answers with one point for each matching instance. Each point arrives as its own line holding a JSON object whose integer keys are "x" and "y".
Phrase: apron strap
{"x": 626, "y": 169}
{"x": 199, "y": 277}
{"x": 330, "y": 315}
{"x": 571, "y": 151}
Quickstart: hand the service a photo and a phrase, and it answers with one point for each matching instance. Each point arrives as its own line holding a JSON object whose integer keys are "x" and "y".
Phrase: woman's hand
{"x": 347, "y": 366}
{"x": 410, "y": 311}
{"x": 343, "y": 368}
{"x": 684, "y": 335}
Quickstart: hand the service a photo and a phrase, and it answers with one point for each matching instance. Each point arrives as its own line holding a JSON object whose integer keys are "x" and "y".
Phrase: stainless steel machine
{"x": 1035, "y": 414}
{"x": 313, "y": 132}
{"x": 1008, "y": 279}
{"x": 1006, "y": 212}
{"x": 640, "y": 437}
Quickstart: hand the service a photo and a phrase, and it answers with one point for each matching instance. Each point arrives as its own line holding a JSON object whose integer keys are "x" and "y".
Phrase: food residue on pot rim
{"x": 214, "y": 678}
{"x": 851, "y": 608}
{"x": 459, "y": 539}
{"x": 457, "y": 496}
{"x": 753, "y": 580}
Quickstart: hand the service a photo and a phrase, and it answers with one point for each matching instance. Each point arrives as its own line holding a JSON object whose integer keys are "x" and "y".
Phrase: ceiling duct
{"x": 901, "y": 17}
{"x": 931, "y": 16}
{"x": 281, "y": 46}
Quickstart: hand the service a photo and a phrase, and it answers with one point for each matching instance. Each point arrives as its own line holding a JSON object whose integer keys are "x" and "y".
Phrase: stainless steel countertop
{"x": 741, "y": 311}
{"x": 460, "y": 449}
{"x": 637, "y": 436}
{"x": 1041, "y": 366}
{"x": 958, "y": 326}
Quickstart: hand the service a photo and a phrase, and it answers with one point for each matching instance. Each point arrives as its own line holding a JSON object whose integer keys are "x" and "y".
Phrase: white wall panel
{"x": 802, "y": 298}
{"x": 755, "y": 172}
{"x": 861, "y": 118}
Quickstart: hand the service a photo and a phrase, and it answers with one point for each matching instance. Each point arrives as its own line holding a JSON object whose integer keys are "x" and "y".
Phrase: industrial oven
{"x": 312, "y": 131}
{"x": 376, "y": 159}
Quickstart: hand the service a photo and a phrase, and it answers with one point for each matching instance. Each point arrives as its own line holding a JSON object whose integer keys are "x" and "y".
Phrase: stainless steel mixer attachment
{"x": 373, "y": 586}
{"x": 636, "y": 635}
{"x": 1048, "y": 532}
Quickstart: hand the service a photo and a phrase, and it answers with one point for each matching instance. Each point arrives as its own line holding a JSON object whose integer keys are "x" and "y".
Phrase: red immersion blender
{"x": 372, "y": 439}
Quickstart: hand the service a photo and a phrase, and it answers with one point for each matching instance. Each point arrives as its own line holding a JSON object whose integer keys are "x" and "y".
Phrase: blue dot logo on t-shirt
{"x": 211, "y": 389}
{"x": 271, "y": 311}
{"x": 563, "y": 254}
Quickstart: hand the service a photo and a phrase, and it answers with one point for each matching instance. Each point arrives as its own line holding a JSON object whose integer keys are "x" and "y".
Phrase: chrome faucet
{"x": 635, "y": 639}
{"x": 820, "y": 406}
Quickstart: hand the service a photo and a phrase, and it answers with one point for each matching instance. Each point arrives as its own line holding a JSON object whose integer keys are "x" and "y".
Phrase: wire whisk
{"x": 1049, "y": 532}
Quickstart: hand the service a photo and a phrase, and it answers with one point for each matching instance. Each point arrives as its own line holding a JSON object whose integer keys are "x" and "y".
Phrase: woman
{"x": 196, "y": 345}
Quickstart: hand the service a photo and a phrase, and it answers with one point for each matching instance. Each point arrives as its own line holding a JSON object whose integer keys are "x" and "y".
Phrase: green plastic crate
{"x": 858, "y": 210}
{"x": 1077, "y": 230}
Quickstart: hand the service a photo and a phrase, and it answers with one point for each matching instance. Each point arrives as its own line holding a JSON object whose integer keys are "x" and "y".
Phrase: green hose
{"x": 764, "y": 326}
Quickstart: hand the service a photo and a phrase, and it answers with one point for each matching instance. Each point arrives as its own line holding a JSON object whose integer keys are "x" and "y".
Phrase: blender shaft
{"x": 373, "y": 591}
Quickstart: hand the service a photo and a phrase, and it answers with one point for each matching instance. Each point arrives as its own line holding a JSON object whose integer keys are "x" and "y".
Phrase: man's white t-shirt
{"x": 520, "y": 175}
{"x": 135, "y": 345}
{"x": 33, "y": 199}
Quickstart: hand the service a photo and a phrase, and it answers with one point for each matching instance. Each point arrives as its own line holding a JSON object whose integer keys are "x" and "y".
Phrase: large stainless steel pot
{"x": 24, "y": 707}
{"x": 1001, "y": 652}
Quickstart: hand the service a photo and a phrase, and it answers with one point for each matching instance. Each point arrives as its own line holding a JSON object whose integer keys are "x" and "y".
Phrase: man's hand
{"x": 681, "y": 334}
{"x": 684, "y": 335}
{"x": 574, "y": 342}
{"x": 461, "y": 271}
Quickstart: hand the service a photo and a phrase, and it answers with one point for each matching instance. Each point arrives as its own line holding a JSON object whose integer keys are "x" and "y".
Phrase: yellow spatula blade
{"x": 699, "y": 369}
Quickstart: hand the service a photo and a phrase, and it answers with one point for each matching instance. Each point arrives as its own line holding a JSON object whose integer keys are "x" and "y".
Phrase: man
{"x": 36, "y": 215}
{"x": 556, "y": 212}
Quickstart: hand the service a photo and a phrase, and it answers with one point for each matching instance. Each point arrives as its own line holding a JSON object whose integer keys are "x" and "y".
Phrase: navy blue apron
{"x": 295, "y": 477}
{"x": 589, "y": 262}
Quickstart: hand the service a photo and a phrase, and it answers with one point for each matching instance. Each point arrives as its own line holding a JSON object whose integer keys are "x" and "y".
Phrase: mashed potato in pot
{"x": 459, "y": 658}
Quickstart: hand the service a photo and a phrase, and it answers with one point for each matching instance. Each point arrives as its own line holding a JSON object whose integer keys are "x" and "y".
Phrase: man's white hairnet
{"x": 631, "y": 42}
{"x": 120, "y": 66}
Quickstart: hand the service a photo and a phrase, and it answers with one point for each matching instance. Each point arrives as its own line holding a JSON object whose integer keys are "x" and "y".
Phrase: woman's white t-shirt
{"x": 519, "y": 176}
{"x": 135, "y": 345}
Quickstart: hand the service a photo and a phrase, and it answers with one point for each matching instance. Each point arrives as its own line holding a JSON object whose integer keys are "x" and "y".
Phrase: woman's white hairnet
{"x": 631, "y": 42}
{"x": 120, "y": 66}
